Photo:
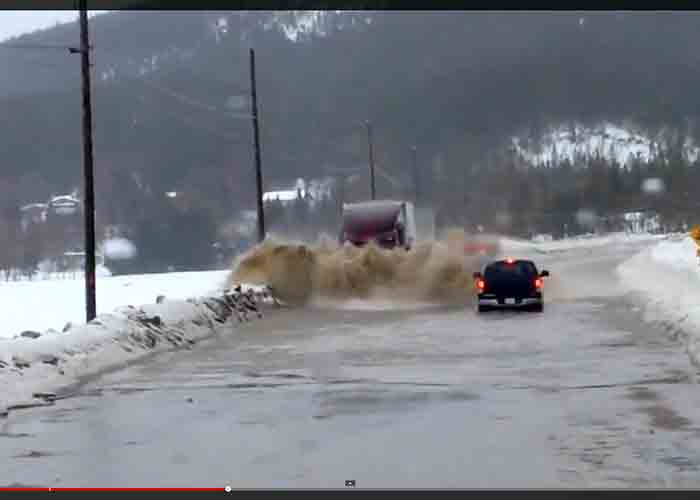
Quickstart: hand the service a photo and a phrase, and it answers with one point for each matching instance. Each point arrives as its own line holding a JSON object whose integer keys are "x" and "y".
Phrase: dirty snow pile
{"x": 666, "y": 277}
{"x": 33, "y": 366}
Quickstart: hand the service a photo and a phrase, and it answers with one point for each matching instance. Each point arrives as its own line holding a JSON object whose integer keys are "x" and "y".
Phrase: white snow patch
{"x": 39, "y": 305}
{"x": 542, "y": 238}
{"x": 653, "y": 185}
{"x": 119, "y": 249}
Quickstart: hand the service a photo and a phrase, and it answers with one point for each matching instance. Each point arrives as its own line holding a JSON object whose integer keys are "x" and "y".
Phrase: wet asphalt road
{"x": 583, "y": 395}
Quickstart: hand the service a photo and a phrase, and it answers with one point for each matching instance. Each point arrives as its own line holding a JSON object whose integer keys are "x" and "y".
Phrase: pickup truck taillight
{"x": 480, "y": 284}
{"x": 538, "y": 283}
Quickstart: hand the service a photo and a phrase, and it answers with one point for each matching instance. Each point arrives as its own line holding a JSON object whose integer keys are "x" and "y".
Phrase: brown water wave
{"x": 435, "y": 271}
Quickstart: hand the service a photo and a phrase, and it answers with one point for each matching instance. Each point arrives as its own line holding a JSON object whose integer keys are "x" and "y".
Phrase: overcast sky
{"x": 17, "y": 22}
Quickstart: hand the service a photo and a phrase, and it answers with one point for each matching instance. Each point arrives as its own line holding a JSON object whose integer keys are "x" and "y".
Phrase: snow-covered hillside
{"x": 607, "y": 139}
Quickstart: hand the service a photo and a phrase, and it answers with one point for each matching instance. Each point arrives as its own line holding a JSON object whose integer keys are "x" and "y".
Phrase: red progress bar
{"x": 112, "y": 489}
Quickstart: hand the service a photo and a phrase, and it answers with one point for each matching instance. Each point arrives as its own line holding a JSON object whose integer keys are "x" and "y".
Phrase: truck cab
{"x": 389, "y": 224}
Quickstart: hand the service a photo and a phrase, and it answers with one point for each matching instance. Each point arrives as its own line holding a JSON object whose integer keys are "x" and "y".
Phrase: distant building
{"x": 61, "y": 217}
{"x": 64, "y": 205}
{"x": 33, "y": 213}
{"x": 641, "y": 222}
{"x": 312, "y": 191}
{"x": 58, "y": 205}
{"x": 284, "y": 196}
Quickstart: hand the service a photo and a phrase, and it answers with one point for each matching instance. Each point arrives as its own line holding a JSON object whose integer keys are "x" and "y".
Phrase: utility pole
{"x": 89, "y": 202}
{"x": 416, "y": 176}
{"x": 373, "y": 191}
{"x": 256, "y": 134}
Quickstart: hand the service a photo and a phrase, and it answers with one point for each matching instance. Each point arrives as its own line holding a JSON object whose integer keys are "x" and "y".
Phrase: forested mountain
{"x": 170, "y": 96}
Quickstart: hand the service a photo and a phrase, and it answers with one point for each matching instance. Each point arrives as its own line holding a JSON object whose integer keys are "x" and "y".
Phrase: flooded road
{"x": 583, "y": 395}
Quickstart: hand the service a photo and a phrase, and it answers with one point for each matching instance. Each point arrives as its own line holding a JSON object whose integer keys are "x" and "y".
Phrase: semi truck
{"x": 388, "y": 223}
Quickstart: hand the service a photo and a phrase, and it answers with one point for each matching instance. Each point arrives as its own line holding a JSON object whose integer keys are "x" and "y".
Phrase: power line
{"x": 48, "y": 66}
{"x": 344, "y": 170}
{"x": 217, "y": 79}
{"x": 388, "y": 176}
{"x": 191, "y": 101}
{"x": 187, "y": 99}
{"x": 38, "y": 46}
{"x": 172, "y": 93}
{"x": 211, "y": 78}
{"x": 183, "y": 99}
{"x": 43, "y": 64}
{"x": 180, "y": 97}
{"x": 189, "y": 123}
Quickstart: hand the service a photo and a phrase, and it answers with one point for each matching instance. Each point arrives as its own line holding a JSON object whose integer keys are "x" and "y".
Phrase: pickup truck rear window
{"x": 503, "y": 269}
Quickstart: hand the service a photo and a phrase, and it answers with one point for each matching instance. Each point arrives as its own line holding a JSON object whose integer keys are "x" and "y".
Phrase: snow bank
{"x": 678, "y": 252}
{"x": 667, "y": 279}
{"x": 30, "y": 369}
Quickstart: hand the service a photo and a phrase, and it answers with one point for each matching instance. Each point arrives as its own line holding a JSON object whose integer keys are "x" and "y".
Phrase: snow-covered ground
{"x": 43, "y": 304}
{"x": 666, "y": 277}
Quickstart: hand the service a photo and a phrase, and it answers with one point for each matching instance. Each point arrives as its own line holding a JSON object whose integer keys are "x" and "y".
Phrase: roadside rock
{"x": 49, "y": 359}
{"x": 150, "y": 340}
{"x": 20, "y": 363}
{"x": 30, "y": 334}
{"x": 219, "y": 307}
{"x": 68, "y": 326}
{"x": 48, "y": 396}
{"x": 160, "y": 299}
{"x": 154, "y": 320}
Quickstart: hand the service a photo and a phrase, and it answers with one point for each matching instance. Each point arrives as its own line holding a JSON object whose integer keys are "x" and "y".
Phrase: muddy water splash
{"x": 433, "y": 271}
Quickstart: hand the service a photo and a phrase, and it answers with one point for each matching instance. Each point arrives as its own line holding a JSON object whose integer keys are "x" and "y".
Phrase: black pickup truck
{"x": 510, "y": 283}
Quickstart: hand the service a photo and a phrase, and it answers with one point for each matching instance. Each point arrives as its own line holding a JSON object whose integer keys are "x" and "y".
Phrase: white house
{"x": 641, "y": 222}
{"x": 313, "y": 191}
{"x": 33, "y": 213}
{"x": 64, "y": 205}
